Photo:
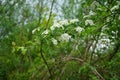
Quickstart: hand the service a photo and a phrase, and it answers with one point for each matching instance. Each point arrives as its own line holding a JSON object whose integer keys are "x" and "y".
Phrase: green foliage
{"x": 73, "y": 40}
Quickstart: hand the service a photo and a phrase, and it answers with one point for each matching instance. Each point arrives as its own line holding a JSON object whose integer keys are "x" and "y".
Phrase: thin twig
{"x": 50, "y": 14}
{"x": 40, "y": 12}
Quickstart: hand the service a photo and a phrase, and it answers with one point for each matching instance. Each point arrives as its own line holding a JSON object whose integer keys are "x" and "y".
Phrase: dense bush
{"x": 59, "y": 40}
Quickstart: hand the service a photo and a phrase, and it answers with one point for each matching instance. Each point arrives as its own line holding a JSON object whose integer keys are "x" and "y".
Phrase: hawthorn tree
{"x": 59, "y": 40}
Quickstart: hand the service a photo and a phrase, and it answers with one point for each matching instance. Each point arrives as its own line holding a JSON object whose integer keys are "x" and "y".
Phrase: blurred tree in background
{"x": 59, "y": 39}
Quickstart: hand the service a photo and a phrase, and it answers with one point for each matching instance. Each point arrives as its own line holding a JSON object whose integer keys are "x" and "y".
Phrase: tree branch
{"x": 41, "y": 53}
{"x": 97, "y": 73}
{"x": 50, "y": 14}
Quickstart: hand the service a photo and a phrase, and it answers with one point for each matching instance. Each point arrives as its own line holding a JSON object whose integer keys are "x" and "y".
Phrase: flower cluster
{"x": 65, "y": 37}
{"x": 62, "y": 23}
{"x": 79, "y": 29}
{"x": 46, "y": 32}
{"x": 89, "y": 22}
{"x": 115, "y": 7}
{"x": 91, "y": 13}
{"x": 54, "y": 41}
{"x": 34, "y": 30}
{"x": 57, "y": 25}
{"x": 74, "y": 20}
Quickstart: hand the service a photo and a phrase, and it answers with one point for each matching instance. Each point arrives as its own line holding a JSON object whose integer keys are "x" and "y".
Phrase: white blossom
{"x": 34, "y": 30}
{"x": 91, "y": 13}
{"x": 108, "y": 19}
{"x": 79, "y": 29}
{"x": 46, "y": 32}
{"x": 65, "y": 37}
{"x": 89, "y": 22}
{"x": 52, "y": 28}
{"x": 74, "y": 20}
{"x": 56, "y": 25}
{"x": 64, "y": 22}
{"x": 115, "y": 7}
{"x": 86, "y": 16}
{"x": 105, "y": 3}
{"x": 54, "y": 41}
